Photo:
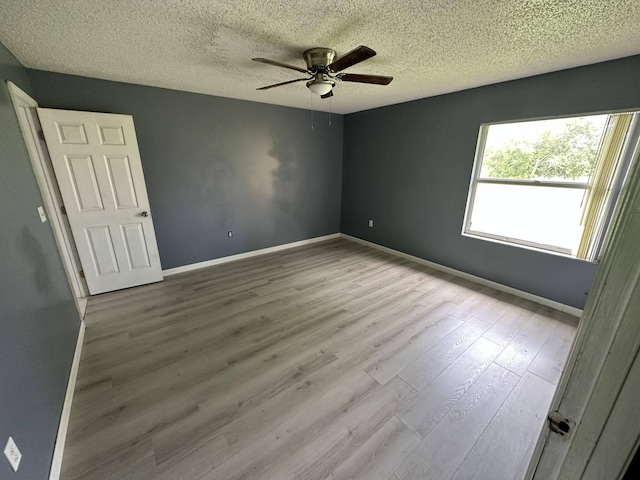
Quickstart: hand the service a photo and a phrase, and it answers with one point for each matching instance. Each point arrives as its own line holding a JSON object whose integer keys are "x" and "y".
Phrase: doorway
{"x": 25, "y": 108}
{"x": 89, "y": 171}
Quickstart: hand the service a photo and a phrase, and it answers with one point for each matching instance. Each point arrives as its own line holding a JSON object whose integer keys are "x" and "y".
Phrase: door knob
{"x": 144, "y": 214}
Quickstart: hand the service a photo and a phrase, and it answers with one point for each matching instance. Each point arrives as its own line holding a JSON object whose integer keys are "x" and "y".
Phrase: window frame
{"x": 475, "y": 180}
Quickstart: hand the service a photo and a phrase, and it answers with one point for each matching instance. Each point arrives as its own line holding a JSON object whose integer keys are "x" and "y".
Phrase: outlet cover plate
{"x": 13, "y": 454}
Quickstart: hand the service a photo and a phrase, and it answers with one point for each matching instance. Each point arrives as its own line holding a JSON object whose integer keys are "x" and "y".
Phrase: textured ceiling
{"x": 429, "y": 46}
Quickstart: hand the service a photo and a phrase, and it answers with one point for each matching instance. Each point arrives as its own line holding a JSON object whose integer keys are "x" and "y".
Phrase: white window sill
{"x": 479, "y": 236}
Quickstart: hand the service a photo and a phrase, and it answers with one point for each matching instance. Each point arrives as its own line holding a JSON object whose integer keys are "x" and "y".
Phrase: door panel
{"x": 102, "y": 250}
{"x": 98, "y": 168}
{"x": 111, "y": 135}
{"x": 82, "y": 177}
{"x": 133, "y": 235}
{"x": 71, "y": 133}
{"x": 122, "y": 182}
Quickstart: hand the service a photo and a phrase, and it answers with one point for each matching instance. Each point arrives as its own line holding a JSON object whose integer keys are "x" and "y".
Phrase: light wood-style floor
{"x": 331, "y": 361}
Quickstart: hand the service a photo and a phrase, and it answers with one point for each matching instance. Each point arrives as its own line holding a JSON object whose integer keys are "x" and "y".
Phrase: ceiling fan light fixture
{"x": 325, "y": 69}
{"x": 320, "y": 87}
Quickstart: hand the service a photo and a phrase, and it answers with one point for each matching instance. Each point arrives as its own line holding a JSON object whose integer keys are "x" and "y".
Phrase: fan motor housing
{"x": 318, "y": 57}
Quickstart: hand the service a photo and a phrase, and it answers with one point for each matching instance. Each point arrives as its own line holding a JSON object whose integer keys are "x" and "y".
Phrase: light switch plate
{"x": 13, "y": 454}
{"x": 43, "y": 216}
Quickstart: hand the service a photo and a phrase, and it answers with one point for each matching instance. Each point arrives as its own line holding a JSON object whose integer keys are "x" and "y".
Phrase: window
{"x": 550, "y": 184}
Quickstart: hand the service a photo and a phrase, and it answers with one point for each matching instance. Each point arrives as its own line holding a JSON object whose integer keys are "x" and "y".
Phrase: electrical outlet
{"x": 229, "y": 234}
{"x": 13, "y": 454}
{"x": 43, "y": 216}
{"x": 371, "y": 223}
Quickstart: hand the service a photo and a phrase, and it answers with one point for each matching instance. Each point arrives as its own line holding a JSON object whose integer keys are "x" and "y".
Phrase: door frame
{"x": 600, "y": 384}
{"x": 25, "y": 108}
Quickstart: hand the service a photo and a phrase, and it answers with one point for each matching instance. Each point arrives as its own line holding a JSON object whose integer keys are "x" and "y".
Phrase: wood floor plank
{"x": 441, "y": 395}
{"x": 442, "y": 451}
{"x": 511, "y": 432}
{"x": 380, "y": 455}
{"x": 457, "y": 290}
{"x": 511, "y": 323}
{"x": 87, "y": 446}
{"x": 339, "y": 377}
{"x": 403, "y": 349}
{"x": 433, "y": 361}
{"x": 476, "y": 303}
{"x": 303, "y": 364}
{"x": 287, "y": 451}
{"x": 193, "y": 367}
{"x": 520, "y": 352}
{"x": 134, "y": 463}
{"x": 551, "y": 359}
{"x": 222, "y": 408}
{"x": 496, "y": 306}
{"x": 200, "y": 462}
{"x": 326, "y": 449}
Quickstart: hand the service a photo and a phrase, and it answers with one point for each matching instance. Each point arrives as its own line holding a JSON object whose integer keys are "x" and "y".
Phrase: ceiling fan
{"x": 324, "y": 70}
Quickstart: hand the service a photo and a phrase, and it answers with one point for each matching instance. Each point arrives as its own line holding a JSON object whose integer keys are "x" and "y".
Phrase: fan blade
{"x": 283, "y": 83}
{"x": 376, "y": 79}
{"x": 278, "y": 64}
{"x": 356, "y": 55}
{"x": 327, "y": 95}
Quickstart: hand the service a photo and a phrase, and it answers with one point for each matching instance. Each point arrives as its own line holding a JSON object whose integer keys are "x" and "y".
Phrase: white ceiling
{"x": 429, "y": 46}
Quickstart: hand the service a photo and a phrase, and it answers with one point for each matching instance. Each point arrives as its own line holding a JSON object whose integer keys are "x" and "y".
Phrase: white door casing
{"x": 25, "y": 108}
{"x": 97, "y": 165}
{"x": 599, "y": 388}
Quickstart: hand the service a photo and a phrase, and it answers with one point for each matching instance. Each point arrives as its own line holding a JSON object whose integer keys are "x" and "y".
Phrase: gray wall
{"x": 38, "y": 319}
{"x": 408, "y": 167}
{"x": 215, "y": 164}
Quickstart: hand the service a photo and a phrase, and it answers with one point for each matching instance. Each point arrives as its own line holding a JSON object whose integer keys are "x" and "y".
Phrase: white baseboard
{"x": 58, "y": 452}
{"x": 240, "y": 256}
{"x": 576, "y": 312}
{"x": 82, "y": 306}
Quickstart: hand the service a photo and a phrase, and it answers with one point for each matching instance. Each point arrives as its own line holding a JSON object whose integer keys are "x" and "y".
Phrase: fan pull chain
{"x": 311, "y": 109}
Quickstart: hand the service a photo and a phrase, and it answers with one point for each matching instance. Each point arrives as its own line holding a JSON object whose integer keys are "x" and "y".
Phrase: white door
{"x": 599, "y": 389}
{"x": 97, "y": 165}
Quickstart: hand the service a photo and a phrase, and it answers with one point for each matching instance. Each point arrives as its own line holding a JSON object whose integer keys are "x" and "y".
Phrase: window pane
{"x": 562, "y": 149}
{"x": 545, "y": 215}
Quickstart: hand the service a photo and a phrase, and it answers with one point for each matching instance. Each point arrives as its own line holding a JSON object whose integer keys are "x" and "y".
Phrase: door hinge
{"x": 63, "y": 209}
{"x": 82, "y": 274}
{"x": 41, "y": 135}
{"x": 560, "y": 424}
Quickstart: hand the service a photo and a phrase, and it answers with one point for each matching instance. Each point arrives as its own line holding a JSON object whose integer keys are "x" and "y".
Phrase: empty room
{"x": 319, "y": 240}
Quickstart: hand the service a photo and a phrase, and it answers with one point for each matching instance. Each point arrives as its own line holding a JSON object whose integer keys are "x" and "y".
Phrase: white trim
{"x": 471, "y": 195}
{"x": 58, "y": 452}
{"x": 22, "y": 102}
{"x": 599, "y": 376}
{"x": 18, "y": 93}
{"x": 241, "y": 256}
{"x": 534, "y": 183}
{"x": 548, "y": 249}
{"x": 576, "y": 312}
{"x": 82, "y": 306}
